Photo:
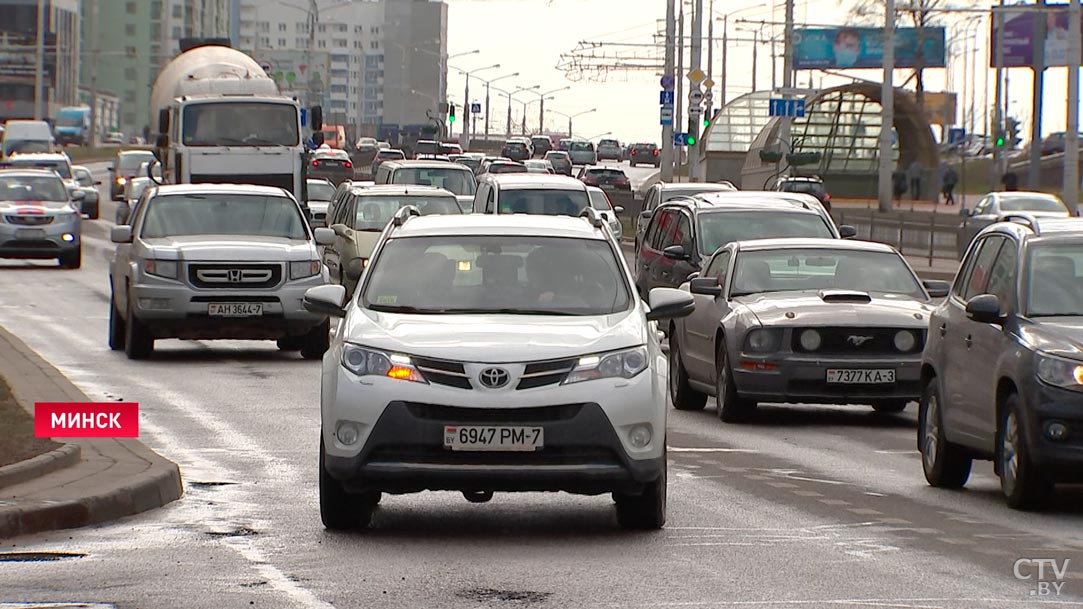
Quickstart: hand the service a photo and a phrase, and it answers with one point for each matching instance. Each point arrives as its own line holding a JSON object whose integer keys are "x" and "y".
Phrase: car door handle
{"x": 969, "y": 341}
{"x": 943, "y": 329}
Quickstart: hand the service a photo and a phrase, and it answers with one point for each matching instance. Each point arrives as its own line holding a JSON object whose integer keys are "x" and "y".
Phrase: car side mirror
{"x": 676, "y": 252}
{"x": 645, "y": 215}
{"x": 984, "y": 308}
{"x": 705, "y": 286}
{"x": 325, "y": 300}
{"x": 120, "y": 234}
{"x": 323, "y": 236}
{"x": 78, "y": 195}
{"x": 354, "y": 269}
{"x": 667, "y": 303}
{"x": 97, "y": 182}
{"x": 341, "y": 230}
{"x": 937, "y": 288}
{"x": 618, "y": 209}
{"x": 847, "y": 232}
{"x": 966, "y": 213}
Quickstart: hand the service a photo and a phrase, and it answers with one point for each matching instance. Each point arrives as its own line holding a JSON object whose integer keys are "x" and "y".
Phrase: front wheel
{"x": 946, "y": 465}
{"x": 646, "y": 511}
{"x": 72, "y": 260}
{"x": 317, "y": 341}
{"x": 731, "y": 407}
{"x": 683, "y": 395}
{"x": 116, "y": 325}
{"x": 138, "y": 341}
{"x": 1024, "y": 487}
{"x": 339, "y": 510}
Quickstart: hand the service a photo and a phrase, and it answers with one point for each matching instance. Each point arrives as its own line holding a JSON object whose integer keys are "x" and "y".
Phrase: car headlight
{"x": 367, "y": 362}
{"x": 905, "y": 340}
{"x": 161, "y": 268}
{"x": 1060, "y": 372}
{"x": 304, "y": 268}
{"x": 763, "y": 340}
{"x": 121, "y": 181}
{"x": 810, "y": 340}
{"x": 620, "y": 364}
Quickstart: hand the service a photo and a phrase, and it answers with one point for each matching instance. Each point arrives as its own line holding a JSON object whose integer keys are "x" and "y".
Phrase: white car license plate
{"x": 235, "y": 309}
{"x": 504, "y": 439}
{"x": 30, "y": 233}
{"x": 848, "y": 376}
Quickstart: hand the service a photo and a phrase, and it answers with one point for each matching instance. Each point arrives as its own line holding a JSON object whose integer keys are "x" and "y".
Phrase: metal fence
{"x": 915, "y": 234}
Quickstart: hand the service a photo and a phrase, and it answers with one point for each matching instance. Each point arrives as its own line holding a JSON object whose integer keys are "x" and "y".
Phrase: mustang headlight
{"x": 810, "y": 340}
{"x": 161, "y": 268}
{"x": 367, "y": 362}
{"x": 620, "y": 364}
{"x": 304, "y": 268}
{"x": 1060, "y": 372}
{"x": 905, "y": 340}
{"x": 763, "y": 340}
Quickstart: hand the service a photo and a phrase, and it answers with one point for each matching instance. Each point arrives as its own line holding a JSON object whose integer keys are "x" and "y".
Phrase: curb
{"x": 34, "y": 467}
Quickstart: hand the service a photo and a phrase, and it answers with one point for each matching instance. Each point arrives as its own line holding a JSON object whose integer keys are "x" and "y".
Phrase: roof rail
{"x": 1022, "y": 218}
{"x": 404, "y": 214}
{"x": 593, "y": 215}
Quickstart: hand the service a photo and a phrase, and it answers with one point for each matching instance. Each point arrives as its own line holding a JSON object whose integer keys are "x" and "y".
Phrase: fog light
{"x": 160, "y": 304}
{"x": 640, "y": 436}
{"x": 348, "y": 433}
{"x": 1056, "y": 431}
{"x": 68, "y": 237}
{"x": 810, "y": 340}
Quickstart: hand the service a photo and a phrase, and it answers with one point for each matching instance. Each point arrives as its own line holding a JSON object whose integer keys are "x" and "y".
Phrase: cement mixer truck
{"x": 221, "y": 119}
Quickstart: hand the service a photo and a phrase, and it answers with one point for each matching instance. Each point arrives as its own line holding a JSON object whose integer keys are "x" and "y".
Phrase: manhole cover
{"x": 508, "y": 596}
{"x": 38, "y": 557}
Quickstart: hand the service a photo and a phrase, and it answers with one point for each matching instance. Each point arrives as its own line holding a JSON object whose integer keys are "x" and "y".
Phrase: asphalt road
{"x": 807, "y": 506}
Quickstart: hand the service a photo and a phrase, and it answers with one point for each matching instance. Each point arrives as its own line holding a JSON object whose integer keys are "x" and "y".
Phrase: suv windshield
{"x": 132, "y": 161}
{"x": 320, "y": 191}
{"x": 497, "y": 275}
{"x": 1055, "y": 288}
{"x": 32, "y": 188}
{"x": 60, "y": 167}
{"x": 790, "y": 270}
{"x": 542, "y": 201}
{"x": 223, "y": 214}
{"x": 719, "y": 228}
{"x": 582, "y": 147}
{"x": 1032, "y": 203}
{"x": 240, "y": 124}
{"x": 458, "y": 180}
{"x": 374, "y": 212}
{"x": 609, "y": 143}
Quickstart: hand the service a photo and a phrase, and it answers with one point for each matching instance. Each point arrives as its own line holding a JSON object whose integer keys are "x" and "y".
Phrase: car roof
{"x": 427, "y": 164}
{"x": 718, "y": 202}
{"x": 28, "y": 172}
{"x": 135, "y": 152}
{"x": 800, "y": 179}
{"x": 333, "y": 152}
{"x": 536, "y": 180}
{"x": 696, "y": 187}
{"x": 247, "y": 189}
{"x": 499, "y": 224}
{"x": 1024, "y": 194}
{"x": 610, "y": 167}
{"x": 38, "y": 157}
{"x": 402, "y": 189}
{"x": 810, "y": 243}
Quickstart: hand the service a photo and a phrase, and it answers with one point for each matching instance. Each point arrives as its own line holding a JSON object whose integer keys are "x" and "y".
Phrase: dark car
{"x": 562, "y": 163}
{"x": 609, "y": 178}
{"x": 542, "y": 144}
{"x": 663, "y": 192}
{"x": 685, "y": 232}
{"x": 809, "y": 185}
{"x": 387, "y": 154}
{"x": 331, "y": 164}
{"x": 503, "y": 166}
{"x": 450, "y": 148}
{"x": 515, "y": 150}
{"x": 644, "y": 154}
{"x": 471, "y": 160}
{"x": 1003, "y": 364}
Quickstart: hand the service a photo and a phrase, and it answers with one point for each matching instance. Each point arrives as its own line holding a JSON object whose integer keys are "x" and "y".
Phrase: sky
{"x": 529, "y": 37}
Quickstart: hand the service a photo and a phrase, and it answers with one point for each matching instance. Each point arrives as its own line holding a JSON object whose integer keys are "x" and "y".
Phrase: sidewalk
{"x": 105, "y": 480}
{"x": 909, "y": 206}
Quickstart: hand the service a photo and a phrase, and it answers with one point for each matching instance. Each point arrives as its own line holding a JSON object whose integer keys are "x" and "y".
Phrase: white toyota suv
{"x": 486, "y": 353}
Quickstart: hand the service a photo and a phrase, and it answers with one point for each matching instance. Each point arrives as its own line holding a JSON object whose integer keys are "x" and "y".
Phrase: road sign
{"x": 695, "y": 110}
{"x": 665, "y": 97}
{"x": 708, "y": 95}
{"x": 696, "y": 75}
{"x": 668, "y": 82}
{"x": 956, "y": 135}
{"x": 695, "y": 97}
{"x": 679, "y": 139}
{"x": 665, "y": 116}
{"x": 475, "y": 108}
{"x": 707, "y": 84}
{"x": 786, "y": 107}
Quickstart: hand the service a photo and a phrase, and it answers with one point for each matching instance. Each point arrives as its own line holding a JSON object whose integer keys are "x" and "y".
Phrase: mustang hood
{"x": 231, "y": 248}
{"x": 837, "y": 308}
{"x": 495, "y": 338}
{"x": 1057, "y": 335}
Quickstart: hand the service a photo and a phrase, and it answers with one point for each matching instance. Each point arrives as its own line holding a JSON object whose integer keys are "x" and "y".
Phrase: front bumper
{"x": 803, "y": 379}
{"x": 39, "y": 242}
{"x": 1044, "y": 405}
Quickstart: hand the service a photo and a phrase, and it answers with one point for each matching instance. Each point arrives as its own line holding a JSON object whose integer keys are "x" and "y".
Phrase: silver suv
{"x": 202, "y": 261}
{"x": 39, "y": 217}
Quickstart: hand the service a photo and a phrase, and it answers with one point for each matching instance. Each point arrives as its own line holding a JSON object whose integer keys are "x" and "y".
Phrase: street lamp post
{"x": 541, "y": 110}
{"x": 527, "y": 103}
{"x": 571, "y": 116}
{"x": 487, "y": 84}
{"x": 509, "y": 96}
{"x": 466, "y": 101}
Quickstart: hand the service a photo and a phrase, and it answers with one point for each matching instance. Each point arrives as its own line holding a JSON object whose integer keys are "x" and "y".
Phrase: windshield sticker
{"x": 387, "y": 300}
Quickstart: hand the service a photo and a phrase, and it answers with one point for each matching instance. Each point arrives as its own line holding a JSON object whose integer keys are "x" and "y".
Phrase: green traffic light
{"x": 451, "y": 118}
{"x": 706, "y": 122}
{"x": 999, "y": 142}
{"x": 691, "y": 140}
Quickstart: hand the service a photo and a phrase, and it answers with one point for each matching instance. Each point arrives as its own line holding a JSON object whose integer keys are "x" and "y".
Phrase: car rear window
{"x": 606, "y": 173}
{"x": 582, "y": 147}
{"x": 804, "y": 187}
{"x": 543, "y": 201}
{"x": 457, "y": 179}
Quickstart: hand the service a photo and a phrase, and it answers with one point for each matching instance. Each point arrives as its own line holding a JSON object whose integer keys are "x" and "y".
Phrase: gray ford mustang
{"x": 802, "y": 321}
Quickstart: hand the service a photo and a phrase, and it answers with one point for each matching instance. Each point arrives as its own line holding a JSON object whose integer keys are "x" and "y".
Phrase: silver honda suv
{"x": 201, "y": 261}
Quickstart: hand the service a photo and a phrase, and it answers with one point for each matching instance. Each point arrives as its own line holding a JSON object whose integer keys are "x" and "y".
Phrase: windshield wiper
{"x": 509, "y": 311}
{"x": 405, "y": 309}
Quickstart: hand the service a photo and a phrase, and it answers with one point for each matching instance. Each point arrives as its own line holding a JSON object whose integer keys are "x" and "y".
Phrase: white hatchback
{"x": 492, "y": 353}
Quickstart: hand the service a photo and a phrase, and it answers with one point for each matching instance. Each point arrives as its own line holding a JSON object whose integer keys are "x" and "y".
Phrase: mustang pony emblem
{"x": 857, "y": 341}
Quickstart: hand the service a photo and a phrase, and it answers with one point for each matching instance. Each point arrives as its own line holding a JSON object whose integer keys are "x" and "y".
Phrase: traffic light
{"x": 451, "y": 113}
{"x": 998, "y": 138}
{"x": 693, "y": 132}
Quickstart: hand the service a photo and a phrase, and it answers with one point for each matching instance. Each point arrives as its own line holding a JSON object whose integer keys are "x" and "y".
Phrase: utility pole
{"x": 787, "y": 72}
{"x": 466, "y": 114}
{"x": 693, "y": 117}
{"x": 1034, "y": 169}
{"x": 1071, "y": 139}
{"x": 486, "y": 112}
{"x": 95, "y": 54}
{"x": 755, "y": 57}
{"x": 887, "y": 105}
{"x": 678, "y": 114}
{"x": 725, "y": 49}
{"x": 667, "y": 130}
{"x": 39, "y": 67}
{"x": 709, "y": 110}
{"x": 1000, "y": 94}
{"x": 541, "y": 116}
{"x": 507, "y": 126}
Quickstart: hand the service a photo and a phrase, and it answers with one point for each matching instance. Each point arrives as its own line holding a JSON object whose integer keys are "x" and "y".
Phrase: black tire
{"x": 94, "y": 211}
{"x": 731, "y": 407}
{"x": 646, "y": 511}
{"x": 890, "y": 406}
{"x": 946, "y": 465}
{"x": 1023, "y": 485}
{"x": 683, "y": 395}
{"x": 317, "y": 341}
{"x": 290, "y": 343}
{"x": 71, "y": 260}
{"x": 340, "y": 510}
{"x": 138, "y": 341}
{"x": 116, "y": 326}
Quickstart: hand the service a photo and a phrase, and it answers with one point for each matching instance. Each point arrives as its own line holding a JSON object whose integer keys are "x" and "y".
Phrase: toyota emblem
{"x": 494, "y": 378}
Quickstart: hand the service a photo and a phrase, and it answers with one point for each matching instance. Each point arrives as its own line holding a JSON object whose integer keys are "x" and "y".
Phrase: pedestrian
{"x": 1010, "y": 181}
{"x": 914, "y": 173}
{"x": 948, "y": 180}
{"x": 898, "y": 184}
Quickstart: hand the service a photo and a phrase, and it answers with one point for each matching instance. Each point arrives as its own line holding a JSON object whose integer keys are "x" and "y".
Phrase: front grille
{"x": 280, "y": 180}
{"x": 29, "y": 220}
{"x": 540, "y": 374}
{"x": 234, "y": 275}
{"x": 441, "y": 372}
{"x": 524, "y": 416}
{"x": 272, "y": 299}
{"x": 30, "y": 244}
{"x": 857, "y": 341}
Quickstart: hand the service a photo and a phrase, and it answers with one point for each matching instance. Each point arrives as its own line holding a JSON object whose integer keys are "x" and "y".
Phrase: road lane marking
{"x": 678, "y": 449}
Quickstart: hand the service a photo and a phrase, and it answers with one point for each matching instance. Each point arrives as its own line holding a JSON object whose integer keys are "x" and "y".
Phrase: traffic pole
{"x": 1071, "y": 143}
{"x": 693, "y": 117}
{"x": 667, "y": 130}
{"x": 887, "y": 105}
{"x": 1034, "y": 169}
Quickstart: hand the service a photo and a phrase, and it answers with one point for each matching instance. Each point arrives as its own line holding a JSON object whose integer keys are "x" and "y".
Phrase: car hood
{"x": 1057, "y": 335}
{"x": 831, "y": 308}
{"x": 230, "y": 248}
{"x": 32, "y": 208}
{"x": 495, "y": 338}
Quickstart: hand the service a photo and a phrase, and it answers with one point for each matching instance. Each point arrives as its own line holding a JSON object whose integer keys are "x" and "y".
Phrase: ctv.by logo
{"x": 1047, "y": 574}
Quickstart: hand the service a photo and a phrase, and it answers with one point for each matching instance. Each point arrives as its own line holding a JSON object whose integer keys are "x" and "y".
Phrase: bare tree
{"x": 919, "y": 14}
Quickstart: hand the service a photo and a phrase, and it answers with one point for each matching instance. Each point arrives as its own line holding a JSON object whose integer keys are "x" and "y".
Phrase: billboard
{"x": 843, "y": 48}
{"x": 1019, "y": 36}
{"x": 296, "y": 72}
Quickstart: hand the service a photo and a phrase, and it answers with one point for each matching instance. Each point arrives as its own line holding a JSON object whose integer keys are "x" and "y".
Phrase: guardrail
{"x": 914, "y": 234}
